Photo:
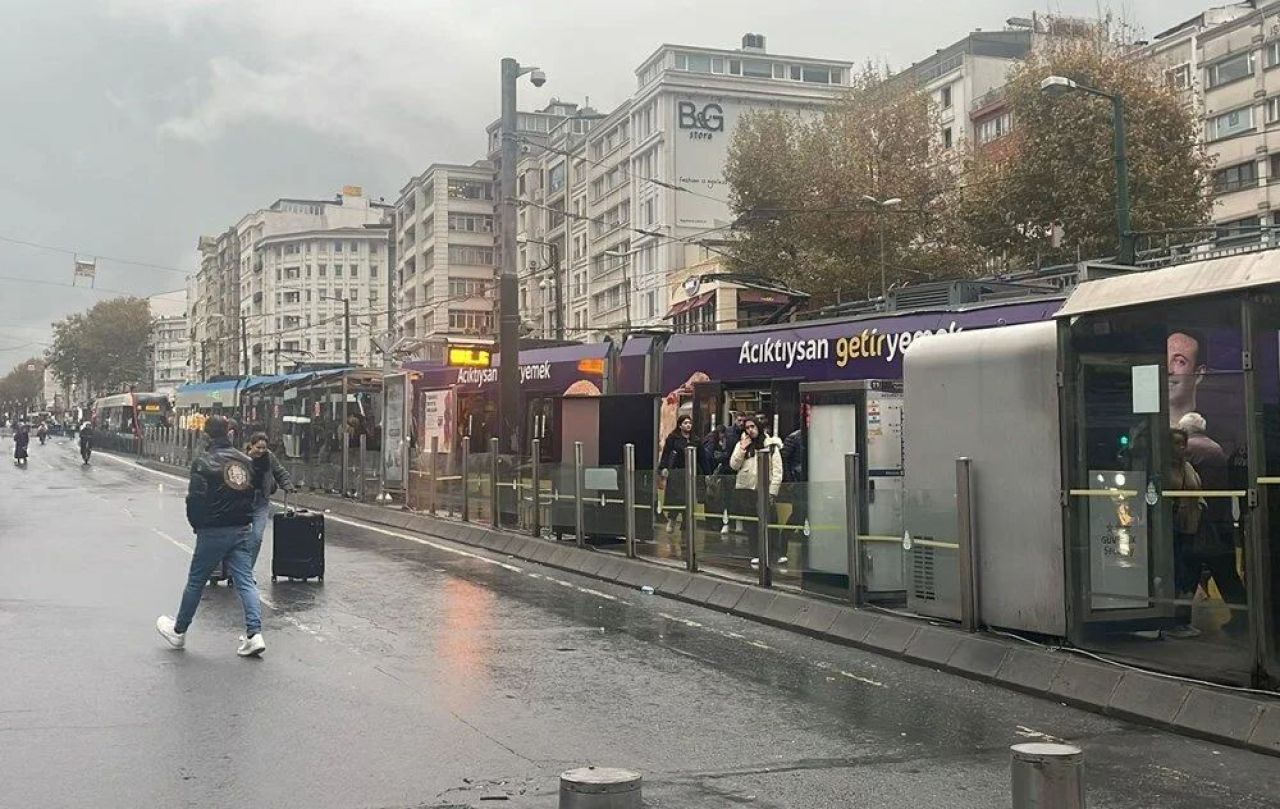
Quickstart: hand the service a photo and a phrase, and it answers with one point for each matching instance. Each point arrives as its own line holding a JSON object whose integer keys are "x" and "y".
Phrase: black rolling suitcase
{"x": 297, "y": 544}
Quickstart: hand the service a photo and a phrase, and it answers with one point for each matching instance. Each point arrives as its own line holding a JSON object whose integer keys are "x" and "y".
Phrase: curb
{"x": 1239, "y": 720}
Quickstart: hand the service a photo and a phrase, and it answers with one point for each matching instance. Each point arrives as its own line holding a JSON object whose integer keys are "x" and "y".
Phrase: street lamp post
{"x": 881, "y": 207}
{"x": 1058, "y": 85}
{"x": 555, "y": 277}
{"x": 508, "y": 289}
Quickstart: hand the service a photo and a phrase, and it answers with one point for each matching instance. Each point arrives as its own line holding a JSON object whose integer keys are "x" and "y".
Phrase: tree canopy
{"x": 1059, "y": 163}
{"x": 24, "y": 384}
{"x": 799, "y": 185}
{"x": 106, "y": 346}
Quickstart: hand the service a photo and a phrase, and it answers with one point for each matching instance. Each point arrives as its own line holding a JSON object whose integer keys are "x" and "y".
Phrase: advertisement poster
{"x": 393, "y": 445}
{"x": 437, "y": 429}
{"x": 1118, "y": 542}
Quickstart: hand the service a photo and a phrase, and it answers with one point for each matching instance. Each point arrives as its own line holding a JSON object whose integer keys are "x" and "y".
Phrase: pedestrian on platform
{"x": 220, "y": 511}
{"x": 671, "y": 465}
{"x": 743, "y": 462}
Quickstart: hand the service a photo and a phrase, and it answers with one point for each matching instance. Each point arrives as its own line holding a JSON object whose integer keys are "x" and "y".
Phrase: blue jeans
{"x": 213, "y": 545}
{"x": 261, "y": 516}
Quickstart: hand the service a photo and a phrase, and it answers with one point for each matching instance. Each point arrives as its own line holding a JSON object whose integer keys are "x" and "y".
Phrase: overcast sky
{"x": 131, "y": 127}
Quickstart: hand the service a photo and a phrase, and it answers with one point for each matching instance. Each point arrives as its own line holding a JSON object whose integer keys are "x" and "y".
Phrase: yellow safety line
{"x": 1207, "y": 493}
{"x": 1103, "y": 492}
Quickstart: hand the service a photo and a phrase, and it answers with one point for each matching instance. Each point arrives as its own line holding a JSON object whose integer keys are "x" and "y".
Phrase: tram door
{"x": 708, "y": 404}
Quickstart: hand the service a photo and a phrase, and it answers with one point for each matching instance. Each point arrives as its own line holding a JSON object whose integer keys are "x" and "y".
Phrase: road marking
{"x": 179, "y": 543}
{"x": 866, "y": 680}
{"x": 427, "y": 542}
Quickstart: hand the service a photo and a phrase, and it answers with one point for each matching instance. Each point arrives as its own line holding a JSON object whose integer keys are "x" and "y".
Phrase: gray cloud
{"x": 133, "y": 126}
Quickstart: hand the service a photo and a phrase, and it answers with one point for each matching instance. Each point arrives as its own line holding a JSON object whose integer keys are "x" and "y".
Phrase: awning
{"x": 208, "y": 394}
{"x": 691, "y": 303}
{"x": 1192, "y": 280}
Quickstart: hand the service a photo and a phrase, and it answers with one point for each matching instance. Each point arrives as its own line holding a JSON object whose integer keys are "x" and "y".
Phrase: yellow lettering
{"x": 842, "y": 352}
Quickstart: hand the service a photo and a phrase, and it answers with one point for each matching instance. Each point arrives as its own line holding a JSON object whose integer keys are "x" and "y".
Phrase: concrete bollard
{"x": 1047, "y": 776}
{"x": 600, "y": 788}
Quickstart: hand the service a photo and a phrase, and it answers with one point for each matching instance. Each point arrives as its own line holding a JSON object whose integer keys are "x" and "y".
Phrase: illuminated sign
{"x": 469, "y": 357}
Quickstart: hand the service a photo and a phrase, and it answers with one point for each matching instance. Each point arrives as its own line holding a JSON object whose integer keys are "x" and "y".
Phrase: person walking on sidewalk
{"x": 269, "y": 476}
{"x": 220, "y": 510}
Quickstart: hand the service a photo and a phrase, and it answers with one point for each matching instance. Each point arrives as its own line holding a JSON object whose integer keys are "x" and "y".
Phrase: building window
{"x": 946, "y": 138}
{"x": 337, "y": 247}
{"x": 1231, "y": 123}
{"x": 556, "y": 178}
{"x": 1240, "y": 230}
{"x": 471, "y": 255}
{"x": 462, "y": 288}
{"x": 996, "y": 127}
{"x": 1235, "y": 178}
{"x": 945, "y": 98}
{"x": 1271, "y": 54}
{"x": 472, "y": 189}
{"x": 471, "y": 223}
{"x": 475, "y": 322}
{"x": 337, "y": 270}
{"x": 322, "y": 270}
{"x": 354, "y": 270}
{"x": 1273, "y": 110}
{"x": 1179, "y": 78}
{"x": 1230, "y": 69}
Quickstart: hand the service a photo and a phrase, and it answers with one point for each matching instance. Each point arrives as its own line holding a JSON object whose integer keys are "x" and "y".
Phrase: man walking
{"x": 220, "y": 510}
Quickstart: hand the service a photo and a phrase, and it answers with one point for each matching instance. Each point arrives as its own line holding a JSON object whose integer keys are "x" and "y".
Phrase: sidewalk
{"x": 1239, "y": 719}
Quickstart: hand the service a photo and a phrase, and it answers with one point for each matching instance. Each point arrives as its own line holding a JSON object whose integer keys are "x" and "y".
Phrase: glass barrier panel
{"x": 558, "y": 518}
{"x": 603, "y": 508}
{"x": 477, "y": 483}
{"x": 446, "y": 468}
{"x": 728, "y": 536}
{"x": 652, "y": 539}
{"x": 509, "y": 489}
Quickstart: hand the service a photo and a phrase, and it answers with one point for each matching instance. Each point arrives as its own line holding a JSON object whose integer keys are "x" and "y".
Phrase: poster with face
{"x": 1206, "y": 397}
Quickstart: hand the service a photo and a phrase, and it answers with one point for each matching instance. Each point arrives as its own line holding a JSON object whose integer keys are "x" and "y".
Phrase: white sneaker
{"x": 164, "y": 625}
{"x": 782, "y": 560}
{"x": 755, "y": 561}
{"x": 251, "y": 647}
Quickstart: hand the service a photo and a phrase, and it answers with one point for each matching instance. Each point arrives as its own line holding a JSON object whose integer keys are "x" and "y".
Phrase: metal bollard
{"x": 433, "y": 486}
{"x": 535, "y": 464}
{"x": 970, "y": 612}
{"x": 600, "y": 788}
{"x": 1047, "y": 776}
{"x": 629, "y": 497}
{"x": 579, "y": 485}
{"x": 346, "y": 462}
{"x": 493, "y": 483}
{"x": 360, "y": 476}
{"x": 853, "y": 523}
{"x": 762, "y": 514}
{"x": 691, "y": 508}
{"x": 466, "y": 481}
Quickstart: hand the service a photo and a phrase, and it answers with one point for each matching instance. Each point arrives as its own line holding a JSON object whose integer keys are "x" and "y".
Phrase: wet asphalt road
{"x": 422, "y": 674}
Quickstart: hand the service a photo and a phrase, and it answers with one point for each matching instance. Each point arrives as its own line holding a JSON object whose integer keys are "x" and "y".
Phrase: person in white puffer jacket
{"x": 743, "y": 462}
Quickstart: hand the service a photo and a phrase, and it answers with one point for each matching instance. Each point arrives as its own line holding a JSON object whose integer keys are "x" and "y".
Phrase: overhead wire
{"x": 98, "y": 256}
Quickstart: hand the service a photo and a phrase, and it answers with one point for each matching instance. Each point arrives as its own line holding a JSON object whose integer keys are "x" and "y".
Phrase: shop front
{"x": 1171, "y": 428}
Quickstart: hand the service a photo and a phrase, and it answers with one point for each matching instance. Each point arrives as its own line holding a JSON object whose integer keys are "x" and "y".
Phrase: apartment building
{"x": 269, "y": 293}
{"x": 169, "y": 355}
{"x": 445, "y": 256}
{"x": 626, "y": 196}
{"x": 1225, "y": 60}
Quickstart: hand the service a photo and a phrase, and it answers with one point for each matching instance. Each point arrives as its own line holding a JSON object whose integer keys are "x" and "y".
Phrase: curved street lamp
{"x": 1060, "y": 85}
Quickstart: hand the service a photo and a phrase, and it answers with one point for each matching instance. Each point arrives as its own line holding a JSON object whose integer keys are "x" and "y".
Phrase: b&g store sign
{"x": 700, "y": 121}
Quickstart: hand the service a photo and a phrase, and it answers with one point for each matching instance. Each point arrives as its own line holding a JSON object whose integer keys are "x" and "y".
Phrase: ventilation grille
{"x": 923, "y": 581}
